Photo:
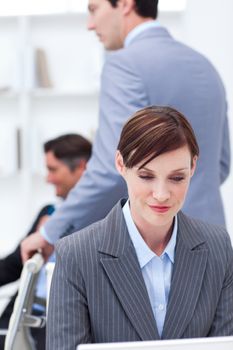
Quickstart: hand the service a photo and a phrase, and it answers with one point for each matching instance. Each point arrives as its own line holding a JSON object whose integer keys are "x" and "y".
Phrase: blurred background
{"x": 49, "y": 83}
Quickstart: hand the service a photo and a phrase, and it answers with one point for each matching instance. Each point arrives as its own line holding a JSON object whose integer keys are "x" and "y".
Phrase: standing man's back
{"x": 147, "y": 66}
{"x": 157, "y": 70}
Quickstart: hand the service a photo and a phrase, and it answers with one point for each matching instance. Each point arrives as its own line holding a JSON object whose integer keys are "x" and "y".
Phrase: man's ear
{"x": 81, "y": 166}
{"x": 119, "y": 163}
{"x": 194, "y": 164}
{"x": 127, "y": 6}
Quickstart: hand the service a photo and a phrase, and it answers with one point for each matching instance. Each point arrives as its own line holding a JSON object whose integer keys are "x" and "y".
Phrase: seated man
{"x": 66, "y": 158}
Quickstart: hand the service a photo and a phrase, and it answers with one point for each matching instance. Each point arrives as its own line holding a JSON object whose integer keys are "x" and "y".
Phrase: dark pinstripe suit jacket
{"x": 98, "y": 292}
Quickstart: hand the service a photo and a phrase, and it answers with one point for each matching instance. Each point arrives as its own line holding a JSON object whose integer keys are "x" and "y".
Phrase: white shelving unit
{"x": 74, "y": 61}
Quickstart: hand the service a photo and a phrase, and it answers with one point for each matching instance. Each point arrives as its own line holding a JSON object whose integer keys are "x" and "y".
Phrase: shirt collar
{"x": 138, "y": 30}
{"x": 144, "y": 253}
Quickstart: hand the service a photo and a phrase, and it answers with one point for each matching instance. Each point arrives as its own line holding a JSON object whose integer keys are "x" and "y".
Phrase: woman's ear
{"x": 119, "y": 163}
{"x": 194, "y": 164}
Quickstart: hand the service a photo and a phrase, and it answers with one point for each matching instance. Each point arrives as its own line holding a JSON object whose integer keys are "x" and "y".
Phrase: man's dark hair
{"x": 70, "y": 149}
{"x": 144, "y": 8}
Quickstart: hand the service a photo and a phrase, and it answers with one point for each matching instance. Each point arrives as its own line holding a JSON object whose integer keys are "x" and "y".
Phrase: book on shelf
{"x": 42, "y": 71}
{"x": 19, "y": 148}
{"x": 9, "y": 161}
{"x": 4, "y": 89}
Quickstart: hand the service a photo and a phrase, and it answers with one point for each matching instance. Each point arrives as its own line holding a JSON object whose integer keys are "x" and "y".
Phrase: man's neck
{"x": 143, "y": 26}
{"x": 133, "y": 22}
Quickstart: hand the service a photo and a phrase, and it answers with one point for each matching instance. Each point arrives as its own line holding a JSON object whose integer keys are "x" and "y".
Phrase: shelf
{"x": 69, "y": 7}
{"x": 39, "y": 50}
{"x": 51, "y": 92}
{"x": 58, "y": 15}
{"x": 8, "y": 93}
{"x": 42, "y": 7}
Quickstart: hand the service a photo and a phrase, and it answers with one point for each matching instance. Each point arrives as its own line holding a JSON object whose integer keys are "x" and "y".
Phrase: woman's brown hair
{"x": 152, "y": 131}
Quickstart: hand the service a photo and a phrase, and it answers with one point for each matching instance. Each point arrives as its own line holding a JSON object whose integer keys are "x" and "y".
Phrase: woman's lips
{"x": 159, "y": 208}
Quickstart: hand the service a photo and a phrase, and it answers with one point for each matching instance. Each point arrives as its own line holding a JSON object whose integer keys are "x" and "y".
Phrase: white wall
{"x": 207, "y": 25}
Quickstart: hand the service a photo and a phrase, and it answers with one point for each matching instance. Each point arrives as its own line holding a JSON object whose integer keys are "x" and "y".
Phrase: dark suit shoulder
{"x": 89, "y": 235}
{"x": 108, "y": 234}
{"x": 203, "y": 228}
{"x": 202, "y": 235}
{"x": 79, "y": 251}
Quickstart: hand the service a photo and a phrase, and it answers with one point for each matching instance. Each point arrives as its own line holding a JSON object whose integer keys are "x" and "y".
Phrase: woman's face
{"x": 157, "y": 191}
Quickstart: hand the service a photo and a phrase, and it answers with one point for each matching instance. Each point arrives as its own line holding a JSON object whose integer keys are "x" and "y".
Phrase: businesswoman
{"x": 146, "y": 271}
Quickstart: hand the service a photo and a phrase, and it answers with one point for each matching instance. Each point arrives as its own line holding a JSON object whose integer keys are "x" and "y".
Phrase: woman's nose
{"x": 161, "y": 193}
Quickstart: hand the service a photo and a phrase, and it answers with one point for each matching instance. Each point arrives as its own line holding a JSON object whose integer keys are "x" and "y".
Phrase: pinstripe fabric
{"x": 98, "y": 293}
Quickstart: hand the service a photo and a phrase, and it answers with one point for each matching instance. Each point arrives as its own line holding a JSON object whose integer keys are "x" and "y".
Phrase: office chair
{"x": 7, "y": 292}
{"x": 18, "y": 334}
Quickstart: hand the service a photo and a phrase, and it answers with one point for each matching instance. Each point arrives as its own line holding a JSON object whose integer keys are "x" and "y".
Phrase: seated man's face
{"x": 60, "y": 175}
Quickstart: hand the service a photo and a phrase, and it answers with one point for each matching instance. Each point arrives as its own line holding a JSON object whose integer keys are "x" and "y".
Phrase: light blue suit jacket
{"x": 153, "y": 70}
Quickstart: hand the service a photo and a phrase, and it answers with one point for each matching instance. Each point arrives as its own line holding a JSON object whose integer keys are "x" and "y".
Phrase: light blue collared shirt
{"x": 156, "y": 270}
{"x": 138, "y": 30}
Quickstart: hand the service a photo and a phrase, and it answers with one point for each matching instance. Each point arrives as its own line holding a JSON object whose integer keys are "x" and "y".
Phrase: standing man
{"x": 66, "y": 157}
{"x": 146, "y": 67}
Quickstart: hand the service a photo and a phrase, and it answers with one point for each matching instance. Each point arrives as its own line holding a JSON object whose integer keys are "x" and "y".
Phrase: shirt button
{"x": 161, "y": 307}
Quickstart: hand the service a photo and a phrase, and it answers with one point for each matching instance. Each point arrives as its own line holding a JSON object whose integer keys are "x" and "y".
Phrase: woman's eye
{"x": 146, "y": 177}
{"x": 177, "y": 178}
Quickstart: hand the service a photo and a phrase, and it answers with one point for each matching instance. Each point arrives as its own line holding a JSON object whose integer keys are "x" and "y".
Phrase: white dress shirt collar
{"x": 138, "y": 30}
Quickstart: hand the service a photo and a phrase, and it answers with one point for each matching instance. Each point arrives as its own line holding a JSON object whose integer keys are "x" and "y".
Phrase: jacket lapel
{"x": 189, "y": 268}
{"x": 120, "y": 263}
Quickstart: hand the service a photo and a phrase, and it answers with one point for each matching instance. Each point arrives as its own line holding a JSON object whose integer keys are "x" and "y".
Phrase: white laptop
{"x": 216, "y": 343}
